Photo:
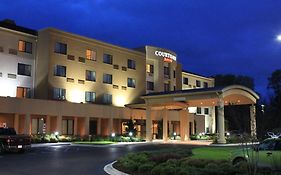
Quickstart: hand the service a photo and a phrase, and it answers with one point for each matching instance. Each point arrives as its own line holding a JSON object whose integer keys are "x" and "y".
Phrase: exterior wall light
{"x": 113, "y": 134}
{"x": 130, "y": 134}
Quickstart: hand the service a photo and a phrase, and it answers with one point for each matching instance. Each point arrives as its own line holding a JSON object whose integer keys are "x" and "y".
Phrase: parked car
{"x": 10, "y": 141}
{"x": 266, "y": 154}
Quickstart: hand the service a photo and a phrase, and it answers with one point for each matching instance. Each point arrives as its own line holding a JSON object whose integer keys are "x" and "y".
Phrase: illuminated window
{"x": 59, "y": 94}
{"x": 198, "y": 83}
{"x": 185, "y": 80}
{"x": 60, "y": 71}
{"x": 205, "y": 85}
{"x": 131, "y": 82}
{"x": 166, "y": 86}
{"x": 107, "y": 98}
{"x": 166, "y": 71}
{"x": 67, "y": 127}
{"x": 90, "y": 97}
{"x": 150, "y": 85}
{"x": 131, "y": 64}
{"x": 23, "y": 92}
{"x": 149, "y": 68}
{"x": 24, "y": 69}
{"x": 25, "y": 46}
{"x": 107, "y": 78}
{"x": 91, "y": 55}
{"x": 60, "y": 48}
{"x": 107, "y": 58}
{"x": 90, "y": 75}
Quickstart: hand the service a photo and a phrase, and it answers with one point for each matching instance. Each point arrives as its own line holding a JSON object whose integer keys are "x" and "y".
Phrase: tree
{"x": 274, "y": 82}
{"x": 230, "y": 79}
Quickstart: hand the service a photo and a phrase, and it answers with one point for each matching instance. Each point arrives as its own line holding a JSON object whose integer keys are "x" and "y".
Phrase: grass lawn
{"x": 96, "y": 142}
{"x": 213, "y": 153}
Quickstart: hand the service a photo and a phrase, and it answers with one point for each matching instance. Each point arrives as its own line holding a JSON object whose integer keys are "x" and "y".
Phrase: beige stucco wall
{"x": 192, "y": 80}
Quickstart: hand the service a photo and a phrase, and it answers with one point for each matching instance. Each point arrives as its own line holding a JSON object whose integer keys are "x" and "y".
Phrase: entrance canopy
{"x": 231, "y": 95}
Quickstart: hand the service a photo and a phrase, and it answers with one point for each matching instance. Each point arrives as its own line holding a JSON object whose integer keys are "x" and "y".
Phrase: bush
{"x": 145, "y": 168}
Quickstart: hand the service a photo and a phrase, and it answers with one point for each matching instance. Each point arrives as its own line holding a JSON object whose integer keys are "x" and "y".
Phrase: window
{"x": 131, "y": 82}
{"x": 149, "y": 68}
{"x": 166, "y": 86}
{"x": 185, "y": 81}
{"x": 107, "y": 98}
{"x": 198, "y": 83}
{"x": 205, "y": 85}
{"x": 107, "y": 78}
{"x": 23, "y": 92}
{"x": 24, "y": 69}
{"x": 150, "y": 85}
{"x": 25, "y": 46}
{"x": 67, "y": 127}
{"x": 131, "y": 64}
{"x": 90, "y": 97}
{"x": 198, "y": 110}
{"x": 174, "y": 74}
{"x": 60, "y": 71}
{"x": 59, "y": 94}
{"x": 91, "y": 55}
{"x": 60, "y": 48}
{"x": 166, "y": 72}
{"x": 107, "y": 58}
{"x": 37, "y": 125}
{"x": 90, "y": 75}
{"x": 206, "y": 111}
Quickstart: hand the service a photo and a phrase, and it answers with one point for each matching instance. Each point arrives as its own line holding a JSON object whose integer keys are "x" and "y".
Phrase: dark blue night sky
{"x": 210, "y": 36}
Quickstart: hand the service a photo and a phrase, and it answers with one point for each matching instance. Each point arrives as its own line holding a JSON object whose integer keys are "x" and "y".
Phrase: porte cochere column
{"x": 253, "y": 120}
{"x": 148, "y": 124}
{"x": 165, "y": 125}
{"x": 221, "y": 128}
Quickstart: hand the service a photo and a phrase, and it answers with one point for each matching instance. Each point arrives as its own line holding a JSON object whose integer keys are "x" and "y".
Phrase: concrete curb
{"x": 38, "y": 145}
{"x": 234, "y": 144}
{"x": 109, "y": 169}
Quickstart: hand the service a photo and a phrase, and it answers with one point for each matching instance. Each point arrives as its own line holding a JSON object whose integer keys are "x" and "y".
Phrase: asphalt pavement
{"x": 64, "y": 159}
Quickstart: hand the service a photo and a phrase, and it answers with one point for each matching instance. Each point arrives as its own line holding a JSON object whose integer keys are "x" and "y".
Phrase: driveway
{"x": 71, "y": 159}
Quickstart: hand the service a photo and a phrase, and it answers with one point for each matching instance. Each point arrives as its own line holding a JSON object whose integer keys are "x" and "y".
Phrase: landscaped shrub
{"x": 145, "y": 168}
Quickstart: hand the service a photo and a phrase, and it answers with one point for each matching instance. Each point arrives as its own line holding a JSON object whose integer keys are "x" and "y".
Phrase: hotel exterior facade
{"x": 54, "y": 81}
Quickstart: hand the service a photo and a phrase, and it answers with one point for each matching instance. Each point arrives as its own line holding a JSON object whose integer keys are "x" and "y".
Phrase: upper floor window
{"x": 198, "y": 83}
{"x": 90, "y": 75}
{"x": 24, "y": 69}
{"x": 25, "y": 46}
{"x": 131, "y": 64}
{"x": 91, "y": 55}
{"x": 198, "y": 111}
{"x": 149, "y": 68}
{"x": 90, "y": 96}
{"x": 61, "y": 48}
{"x": 174, "y": 74}
{"x": 107, "y": 98}
{"x": 166, "y": 71}
{"x": 131, "y": 82}
{"x": 166, "y": 86}
{"x": 23, "y": 92}
{"x": 205, "y": 85}
{"x": 59, "y": 94}
{"x": 185, "y": 80}
{"x": 60, "y": 71}
{"x": 107, "y": 78}
{"x": 107, "y": 58}
{"x": 150, "y": 85}
{"x": 206, "y": 111}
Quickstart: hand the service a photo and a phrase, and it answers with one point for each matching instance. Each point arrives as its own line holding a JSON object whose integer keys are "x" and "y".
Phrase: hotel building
{"x": 55, "y": 81}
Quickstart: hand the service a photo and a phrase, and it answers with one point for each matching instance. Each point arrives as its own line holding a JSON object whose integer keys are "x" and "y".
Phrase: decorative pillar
{"x": 27, "y": 124}
{"x": 184, "y": 126}
{"x": 221, "y": 128}
{"x": 148, "y": 124}
{"x": 86, "y": 126}
{"x": 48, "y": 124}
{"x": 75, "y": 127}
{"x": 59, "y": 125}
{"x": 16, "y": 122}
{"x": 213, "y": 120}
{"x": 110, "y": 125}
{"x": 99, "y": 126}
{"x": 253, "y": 121}
{"x": 165, "y": 125}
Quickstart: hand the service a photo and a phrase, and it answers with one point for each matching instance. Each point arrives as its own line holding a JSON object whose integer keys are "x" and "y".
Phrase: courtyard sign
{"x": 166, "y": 56}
